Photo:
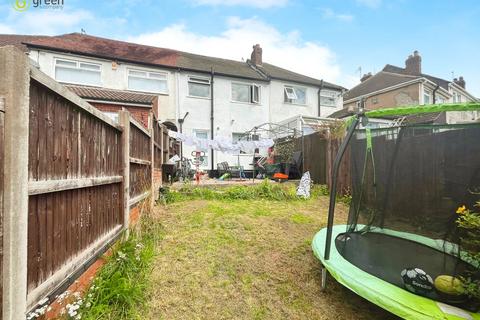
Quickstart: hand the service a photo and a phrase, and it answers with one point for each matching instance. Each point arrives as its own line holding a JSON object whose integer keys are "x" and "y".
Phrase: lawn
{"x": 246, "y": 259}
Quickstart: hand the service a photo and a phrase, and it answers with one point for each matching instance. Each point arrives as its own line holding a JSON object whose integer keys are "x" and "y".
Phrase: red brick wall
{"x": 139, "y": 113}
{"x": 157, "y": 182}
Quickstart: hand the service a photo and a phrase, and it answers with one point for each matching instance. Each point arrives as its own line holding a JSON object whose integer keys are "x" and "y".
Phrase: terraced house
{"x": 222, "y": 97}
{"x": 397, "y": 86}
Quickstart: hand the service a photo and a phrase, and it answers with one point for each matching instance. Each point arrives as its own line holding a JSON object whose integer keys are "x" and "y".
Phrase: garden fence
{"x": 69, "y": 177}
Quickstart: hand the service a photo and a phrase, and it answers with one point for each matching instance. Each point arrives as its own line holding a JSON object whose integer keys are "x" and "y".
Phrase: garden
{"x": 231, "y": 253}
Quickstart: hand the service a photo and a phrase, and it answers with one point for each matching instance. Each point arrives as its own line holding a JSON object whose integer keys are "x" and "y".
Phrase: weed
{"x": 118, "y": 291}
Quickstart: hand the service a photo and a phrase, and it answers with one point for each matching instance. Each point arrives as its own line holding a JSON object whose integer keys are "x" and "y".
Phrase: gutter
{"x": 433, "y": 93}
{"x": 116, "y": 102}
{"x": 320, "y": 98}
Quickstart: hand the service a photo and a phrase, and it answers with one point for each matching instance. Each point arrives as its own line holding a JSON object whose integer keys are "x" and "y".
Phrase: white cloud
{"x": 247, "y": 3}
{"x": 370, "y": 3}
{"x": 6, "y": 29}
{"x": 47, "y": 22}
{"x": 286, "y": 50}
{"x": 328, "y": 13}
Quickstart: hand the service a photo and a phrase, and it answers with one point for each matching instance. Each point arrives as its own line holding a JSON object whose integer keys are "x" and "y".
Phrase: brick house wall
{"x": 141, "y": 114}
{"x": 408, "y": 95}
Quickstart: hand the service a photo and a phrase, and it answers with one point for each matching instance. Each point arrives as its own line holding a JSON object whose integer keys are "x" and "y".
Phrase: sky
{"x": 332, "y": 40}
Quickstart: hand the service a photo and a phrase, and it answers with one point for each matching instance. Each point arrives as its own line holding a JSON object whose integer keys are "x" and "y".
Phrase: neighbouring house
{"x": 222, "y": 97}
{"x": 396, "y": 86}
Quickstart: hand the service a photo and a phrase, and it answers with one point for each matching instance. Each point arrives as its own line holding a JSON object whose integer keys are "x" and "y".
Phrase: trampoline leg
{"x": 324, "y": 278}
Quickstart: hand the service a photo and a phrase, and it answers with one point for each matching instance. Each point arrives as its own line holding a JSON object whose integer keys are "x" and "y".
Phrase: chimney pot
{"x": 460, "y": 82}
{"x": 413, "y": 64}
{"x": 256, "y": 57}
{"x": 366, "y": 76}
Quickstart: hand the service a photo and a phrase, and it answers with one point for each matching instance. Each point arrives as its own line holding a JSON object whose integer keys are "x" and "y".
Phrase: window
{"x": 198, "y": 87}
{"x": 112, "y": 115}
{"x": 297, "y": 95}
{"x": 147, "y": 81}
{"x": 77, "y": 72}
{"x": 426, "y": 97}
{"x": 248, "y": 93}
{"x": 329, "y": 98}
{"x": 238, "y": 136}
{"x": 202, "y": 134}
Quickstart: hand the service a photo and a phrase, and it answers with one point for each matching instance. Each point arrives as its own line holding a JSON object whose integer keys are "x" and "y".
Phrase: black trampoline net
{"x": 411, "y": 180}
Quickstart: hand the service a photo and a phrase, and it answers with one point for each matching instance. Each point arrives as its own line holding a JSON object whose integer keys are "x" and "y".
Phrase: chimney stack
{"x": 366, "y": 76}
{"x": 460, "y": 82}
{"x": 256, "y": 57}
{"x": 413, "y": 64}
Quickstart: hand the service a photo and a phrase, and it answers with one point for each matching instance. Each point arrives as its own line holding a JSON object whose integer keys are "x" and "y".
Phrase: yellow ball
{"x": 449, "y": 285}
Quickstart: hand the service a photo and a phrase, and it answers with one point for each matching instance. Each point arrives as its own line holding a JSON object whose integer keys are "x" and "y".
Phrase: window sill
{"x": 97, "y": 85}
{"x": 149, "y": 92}
{"x": 196, "y": 97}
{"x": 246, "y": 103}
{"x": 295, "y": 104}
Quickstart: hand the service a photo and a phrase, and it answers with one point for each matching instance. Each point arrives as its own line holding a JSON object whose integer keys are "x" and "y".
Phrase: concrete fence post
{"x": 152, "y": 159}
{"x": 15, "y": 88}
{"x": 124, "y": 120}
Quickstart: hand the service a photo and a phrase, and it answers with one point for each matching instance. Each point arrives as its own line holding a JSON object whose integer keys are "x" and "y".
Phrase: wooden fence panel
{"x": 140, "y": 162}
{"x": 75, "y": 184}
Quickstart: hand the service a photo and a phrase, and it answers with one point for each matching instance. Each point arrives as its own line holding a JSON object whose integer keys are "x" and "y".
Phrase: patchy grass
{"x": 246, "y": 258}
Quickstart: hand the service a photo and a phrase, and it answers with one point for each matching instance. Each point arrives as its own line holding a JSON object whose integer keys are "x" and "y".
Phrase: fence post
{"x": 152, "y": 160}
{"x": 14, "y": 87}
{"x": 124, "y": 120}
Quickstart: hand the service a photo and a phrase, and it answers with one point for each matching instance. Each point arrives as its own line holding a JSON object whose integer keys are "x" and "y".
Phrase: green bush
{"x": 469, "y": 225}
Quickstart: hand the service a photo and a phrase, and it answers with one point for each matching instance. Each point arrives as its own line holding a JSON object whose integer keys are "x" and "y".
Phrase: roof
{"x": 83, "y": 44}
{"x": 379, "y": 81}
{"x": 96, "y": 93}
{"x": 283, "y": 74}
{"x": 423, "y": 118}
{"x": 17, "y": 40}
{"x": 441, "y": 82}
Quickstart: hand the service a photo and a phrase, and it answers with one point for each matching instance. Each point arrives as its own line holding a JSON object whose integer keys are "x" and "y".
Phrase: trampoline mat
{"x": 385, "y": 256}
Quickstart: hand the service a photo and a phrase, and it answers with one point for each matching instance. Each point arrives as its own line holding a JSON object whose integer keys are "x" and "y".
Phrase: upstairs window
{"x": 248, "y": 93}
{"x": 147, "y": 81}
{"x": 199, "y": 87}
{"x": 328, "y": 98}
{"x": 77, "y": 72}
{"x": 296, "y": 95}
{"x": 426, "y": 97}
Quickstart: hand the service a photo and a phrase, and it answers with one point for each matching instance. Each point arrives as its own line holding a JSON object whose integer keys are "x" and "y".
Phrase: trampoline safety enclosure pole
{"x": 333, "y": 191}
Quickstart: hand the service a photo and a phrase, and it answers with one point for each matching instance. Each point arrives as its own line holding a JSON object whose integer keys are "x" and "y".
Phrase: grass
{"x": 119, "y": 290}
{"x": 235, "y": 256}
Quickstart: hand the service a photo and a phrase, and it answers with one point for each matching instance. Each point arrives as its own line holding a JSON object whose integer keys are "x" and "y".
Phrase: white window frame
{"x": 428, "y": 94}
{"x": 292, "y": 95}
{"x": 330, "y": 94}
{"x": 293, "y": 101}
{"x": 78, "y": 67}
{"x": 251, "y": 90}
{"x": 199, "y": 80}
{"x": 148, "y": 76}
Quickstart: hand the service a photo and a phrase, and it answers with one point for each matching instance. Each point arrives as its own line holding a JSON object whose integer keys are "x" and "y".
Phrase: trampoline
{"x": 407, "y": 182}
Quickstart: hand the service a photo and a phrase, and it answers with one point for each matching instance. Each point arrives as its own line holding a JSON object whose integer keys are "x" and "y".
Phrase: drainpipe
{"x": 433, "y": 93}
{"x": 320, "y": 98}
{"x": 211, "y": 114}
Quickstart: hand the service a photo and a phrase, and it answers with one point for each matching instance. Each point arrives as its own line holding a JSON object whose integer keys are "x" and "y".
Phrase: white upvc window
{"x": 111, "y": 115}
{"x": 146, "y": 81}
{"x": 245, "y": 92}
{"x": 78, "y": 72}
{"x": 202, "y": 134}
{"x": 328, "y": 98}
{"x": 199, "y": 87}
{"x": 296, "y": 95}
{"x": 426, "y": 97}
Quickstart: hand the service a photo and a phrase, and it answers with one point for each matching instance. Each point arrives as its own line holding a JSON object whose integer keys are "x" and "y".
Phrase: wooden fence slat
{"x": 39, "y": 187}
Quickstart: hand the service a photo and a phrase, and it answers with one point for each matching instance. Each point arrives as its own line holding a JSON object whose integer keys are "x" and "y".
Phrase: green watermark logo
{"x": 21, "y": 5}
{"x": 24, "y": 5}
